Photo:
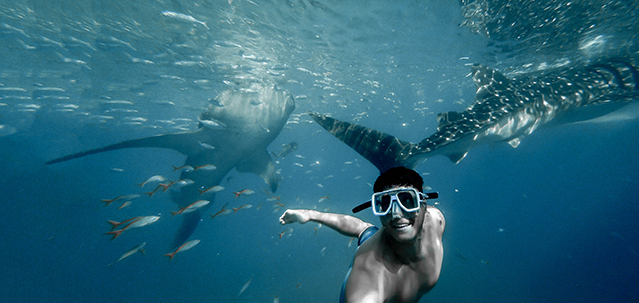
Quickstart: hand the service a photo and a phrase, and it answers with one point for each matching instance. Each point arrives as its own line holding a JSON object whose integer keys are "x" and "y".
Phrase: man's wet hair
{"x": 398, "y": 176}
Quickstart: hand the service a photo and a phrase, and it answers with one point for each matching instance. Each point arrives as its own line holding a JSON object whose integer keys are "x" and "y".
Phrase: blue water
{"x": 553, "y": 220}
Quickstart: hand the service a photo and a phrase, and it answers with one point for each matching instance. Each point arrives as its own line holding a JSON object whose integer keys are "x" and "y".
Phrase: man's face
{"x": 401, "y": 225}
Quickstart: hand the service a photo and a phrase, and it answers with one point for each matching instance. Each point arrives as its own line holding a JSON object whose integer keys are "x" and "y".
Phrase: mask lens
{"x": 383, "y": 203}
{"x": 408, "y": 199}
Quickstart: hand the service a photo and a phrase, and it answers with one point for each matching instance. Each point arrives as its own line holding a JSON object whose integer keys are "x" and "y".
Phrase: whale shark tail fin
{"x": 381, "y": 149}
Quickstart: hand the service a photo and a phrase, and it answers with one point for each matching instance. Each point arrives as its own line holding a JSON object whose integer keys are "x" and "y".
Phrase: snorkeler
{"x": 399, "y": 262}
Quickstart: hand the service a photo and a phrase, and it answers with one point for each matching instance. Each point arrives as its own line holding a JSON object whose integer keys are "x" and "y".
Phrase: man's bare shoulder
{"x": 437, "y": 218}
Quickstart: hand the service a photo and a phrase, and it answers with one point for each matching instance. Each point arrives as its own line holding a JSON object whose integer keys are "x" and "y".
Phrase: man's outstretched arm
{"x": 345, "y": 225}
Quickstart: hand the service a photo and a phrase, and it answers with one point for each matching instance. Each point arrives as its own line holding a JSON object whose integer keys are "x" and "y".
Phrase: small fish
{"x": 135, "y": 223}
{"x": 262, "y": 126}
{"x": 151, "y": 193}
{"x": 287, "y": 149}
{"x": 223, "y": 211}
{"x": 132, "y": 251}
{"x": 212, "y": 189}
{"x": 246, "y": 192}
{"x": 284, "y": 232}
{"x": 272, "y": 198}
{"x": 178, "y": 183}
{"x": 186, "y": 246}
{"x": 183, "y": 17}
{"x": 191, "y": 207}
{"x": 322, "y": 199}
{"x": 245, "y": 206}
{"x": 125, "y": 204}
{"x": 212, "y": 124}
{"x": 350, "y": 241}
{"x": 278, "y": 204}
{"x": 186, "y": 168}
{"x": 246, "y": 285}
{"x": 126, "y": 197}
{"x": 156, "y": 178}
{"x": 206, "y": 167}
{"x": 116, "y": 223}
{"x": 206, "y": 145}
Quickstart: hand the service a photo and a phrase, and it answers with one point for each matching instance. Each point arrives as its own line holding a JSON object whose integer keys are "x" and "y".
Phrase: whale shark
{"x": 505, "y": 110}
{"x": 233, "y": 132}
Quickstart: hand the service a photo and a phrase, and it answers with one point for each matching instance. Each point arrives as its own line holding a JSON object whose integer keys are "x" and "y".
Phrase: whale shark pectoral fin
{"x": 382, "y": 150}
{"x": 185, "y": 143}
{"x": 457, "y": 157}
{"x": 262, "y": 165}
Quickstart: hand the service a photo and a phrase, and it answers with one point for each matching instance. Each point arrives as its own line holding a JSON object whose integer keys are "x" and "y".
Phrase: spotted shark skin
{"x": 505, "y": 110}
{"x": 249, "y": 121}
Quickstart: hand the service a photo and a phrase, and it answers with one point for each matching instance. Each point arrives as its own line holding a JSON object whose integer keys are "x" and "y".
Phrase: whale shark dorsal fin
{"x": 381, "y": 149}
{"x": 262, "y": 165}
{"x": 448, "y": 118}
{"x": 483, "y": 75}
{"x": 488, "y": 81}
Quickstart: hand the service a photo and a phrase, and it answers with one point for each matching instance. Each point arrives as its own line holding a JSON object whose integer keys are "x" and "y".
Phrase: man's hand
{"x": 295, "y": 215}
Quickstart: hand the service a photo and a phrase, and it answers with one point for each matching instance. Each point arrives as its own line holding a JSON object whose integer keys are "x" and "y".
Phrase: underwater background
{"x": 554, "y": 220}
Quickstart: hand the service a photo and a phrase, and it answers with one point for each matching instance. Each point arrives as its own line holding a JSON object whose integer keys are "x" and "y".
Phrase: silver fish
{"x": 183, "y": 17}
{"x": 132, "y": 251}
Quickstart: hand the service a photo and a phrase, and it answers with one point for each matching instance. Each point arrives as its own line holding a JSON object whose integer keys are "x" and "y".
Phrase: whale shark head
{"x": 256, "y": 109}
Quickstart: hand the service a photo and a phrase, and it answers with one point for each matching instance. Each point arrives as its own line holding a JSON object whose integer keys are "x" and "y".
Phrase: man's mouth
{"x": 401, "y": 226}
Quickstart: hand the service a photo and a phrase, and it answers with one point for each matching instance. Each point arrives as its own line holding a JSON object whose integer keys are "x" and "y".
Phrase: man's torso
{"x": 378, "y": 274}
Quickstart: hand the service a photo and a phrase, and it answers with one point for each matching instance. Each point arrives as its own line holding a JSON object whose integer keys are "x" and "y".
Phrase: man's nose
{"x": 396, "y": 211}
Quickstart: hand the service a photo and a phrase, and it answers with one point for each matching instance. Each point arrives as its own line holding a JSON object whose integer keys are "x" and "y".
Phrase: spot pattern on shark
{"x": 505, "y": 110}
{"x": 246, "y": 122}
